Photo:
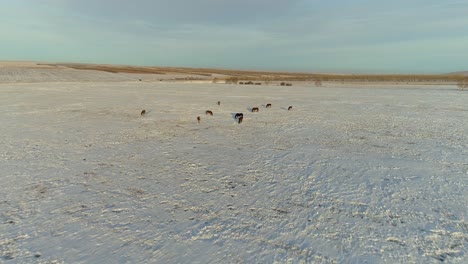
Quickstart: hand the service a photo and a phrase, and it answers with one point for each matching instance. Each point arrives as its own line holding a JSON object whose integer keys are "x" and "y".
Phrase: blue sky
{"x": 375, "y": 36}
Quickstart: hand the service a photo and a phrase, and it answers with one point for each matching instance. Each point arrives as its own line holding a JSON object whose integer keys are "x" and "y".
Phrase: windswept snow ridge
{"x": 350, "y": 175}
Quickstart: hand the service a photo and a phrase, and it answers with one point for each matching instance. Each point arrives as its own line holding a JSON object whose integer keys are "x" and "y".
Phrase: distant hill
{"x": 459, "y": 73}
{"x": 11, "y": 71}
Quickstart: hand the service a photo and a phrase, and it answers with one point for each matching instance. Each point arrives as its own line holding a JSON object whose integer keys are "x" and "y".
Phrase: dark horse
{"x": 255, "y": 109}
{"x": 268, "y": 106}
{"x": 289, "y": 108}
{"x": 208, "y": 112}
{"x": 239, "y": 117}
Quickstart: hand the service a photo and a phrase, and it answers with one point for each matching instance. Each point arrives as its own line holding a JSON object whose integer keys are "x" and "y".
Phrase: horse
{"x": 198, "y": 119}
{"x": 208, "y": 112}
{"x": 268, "y": 106}
{"x": 255, "y": 109}
{"x": 289, "y": 108}
{"x": 143, "y": 112}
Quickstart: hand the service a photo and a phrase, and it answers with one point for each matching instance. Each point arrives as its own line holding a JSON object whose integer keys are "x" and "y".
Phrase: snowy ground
{"x": 34, "y": 72}
{"x": 34, "y": 75}
{"x": 351, "y": 175}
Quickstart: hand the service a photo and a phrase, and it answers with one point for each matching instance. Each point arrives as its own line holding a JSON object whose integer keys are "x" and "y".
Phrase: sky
{"x": 343, "y": 36}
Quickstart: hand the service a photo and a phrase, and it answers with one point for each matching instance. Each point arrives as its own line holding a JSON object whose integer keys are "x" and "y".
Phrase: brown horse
{"x": 208, "y": 112}
{"x": 198, "y": 119}
{"x": 239, "y": 120}
{"x": 143, "y": 112}
{"x": 255, "y": 109}
{"x": 219, "y": 102}
{"x": 268, "y": 106}
{"x": 290, "y": 108}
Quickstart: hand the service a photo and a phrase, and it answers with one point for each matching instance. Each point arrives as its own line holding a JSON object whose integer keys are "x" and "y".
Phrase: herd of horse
{"x": 239, "y": 117}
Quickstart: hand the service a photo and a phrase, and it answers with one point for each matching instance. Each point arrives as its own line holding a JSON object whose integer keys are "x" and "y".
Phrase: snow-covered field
{"x": 350, "y": 175}
{"x": 34, "y": 75}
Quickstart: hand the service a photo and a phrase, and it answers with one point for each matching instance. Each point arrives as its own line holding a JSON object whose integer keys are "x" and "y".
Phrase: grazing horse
{"x": 143, "y": 112}
{"x": 268, "y": 106}
{"x": 198, "y": 119}
{"x": 208, "y": 112}
{"x": 255, "y": 109}
{"x": 239, "y": 117}
{"x": 219, "y": 102}
{"x": 289, "y": 108}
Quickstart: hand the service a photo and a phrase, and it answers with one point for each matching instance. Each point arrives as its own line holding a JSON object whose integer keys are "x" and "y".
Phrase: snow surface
{"x": 60, "y": 74}
{"x": 350, "y": 175}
